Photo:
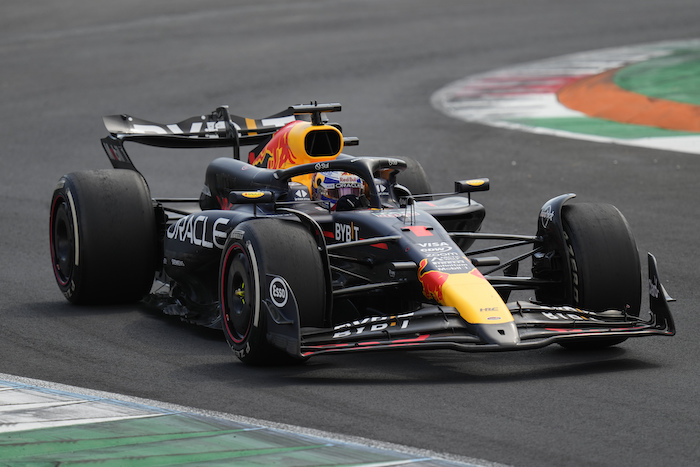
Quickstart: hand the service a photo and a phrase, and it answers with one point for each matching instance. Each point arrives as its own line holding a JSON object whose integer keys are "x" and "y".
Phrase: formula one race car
{"x": 303, "y": 250}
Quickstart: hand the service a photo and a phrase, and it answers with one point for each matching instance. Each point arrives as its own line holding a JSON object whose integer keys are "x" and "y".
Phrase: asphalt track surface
{"x": 66, "y": 64}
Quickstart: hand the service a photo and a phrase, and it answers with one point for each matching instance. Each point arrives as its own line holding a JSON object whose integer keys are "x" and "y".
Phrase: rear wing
{"x": 215, "y": 130}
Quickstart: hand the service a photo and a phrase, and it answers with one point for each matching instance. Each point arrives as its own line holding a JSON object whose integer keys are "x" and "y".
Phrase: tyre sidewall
{"x": 62, "y": 211}
{"x": 244, "y": 345}
{"x": 602, "y": 254}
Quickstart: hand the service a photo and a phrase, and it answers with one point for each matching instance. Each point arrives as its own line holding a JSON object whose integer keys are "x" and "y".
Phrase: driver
{"x": 343, "y": 191}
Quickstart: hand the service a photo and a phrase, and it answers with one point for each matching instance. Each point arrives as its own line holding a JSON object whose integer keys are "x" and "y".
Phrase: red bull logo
{"x": 277, "y": 154}
{"x": 432, "y": 281}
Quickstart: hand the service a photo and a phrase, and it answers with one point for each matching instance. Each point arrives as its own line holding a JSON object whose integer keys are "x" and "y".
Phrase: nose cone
{"x": 502, "y": 334}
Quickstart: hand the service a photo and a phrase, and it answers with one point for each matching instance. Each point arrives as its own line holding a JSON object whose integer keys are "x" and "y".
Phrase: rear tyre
{"x": 103, "y": 236}
{"x": 414, "y": 177}
{"x": 255, "y": 251}
{"x": 605, "y": 266}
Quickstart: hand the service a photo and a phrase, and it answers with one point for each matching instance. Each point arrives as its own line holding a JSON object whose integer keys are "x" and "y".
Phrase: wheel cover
{"x": 238, "y": 295}
{"x": 62, "y": 241}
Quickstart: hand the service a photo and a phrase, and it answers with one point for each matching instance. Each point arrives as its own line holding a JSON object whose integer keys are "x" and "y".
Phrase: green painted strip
{"x": 675, "y": 77}
{"x": 271, "y": 456}
{"x": 151, "y": 434}
{"x": 600, "y": 127}
{"x": 39, "y": 447}
{"x": 177, "y": 439}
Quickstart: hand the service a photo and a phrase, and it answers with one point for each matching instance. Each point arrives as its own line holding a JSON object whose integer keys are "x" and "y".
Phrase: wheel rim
{"x": 62, "y": 242}
{"x": 239, "y": 296}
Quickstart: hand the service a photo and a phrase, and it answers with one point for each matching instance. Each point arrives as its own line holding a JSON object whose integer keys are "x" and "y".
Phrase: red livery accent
{"x": 277, "y": 154}
{"x": 420, "y": 231}
{"x": 432, "y": 281}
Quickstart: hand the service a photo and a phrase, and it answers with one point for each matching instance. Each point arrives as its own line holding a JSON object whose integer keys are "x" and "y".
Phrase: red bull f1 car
{"x": 296, "y": 249}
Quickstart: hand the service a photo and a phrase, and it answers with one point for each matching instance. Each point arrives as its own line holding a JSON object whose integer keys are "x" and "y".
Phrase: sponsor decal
{"x": 116, "y": 151}
{"x": 387, "y": 214}
{"x": 546, "y": 216}
{"x": 279, "y": 292}
{"x": 432, "y": 281}
{"x": 322, "y": 166}
{"x": 430, "y": 248}
{"x": 177, "y": 262}
{"x": 195, "y": 127}
{"x": 148, "y": 129}
{"x": 451, "y": 264}
{"x": 348, "y": 184}
{"x": 445, "y": 261}
{"x": 200, "y": 230}
{"x": 346, "y": 232}
{"x": 213, "y": 128}
{"x": 374, "y": 323}
{"x": 252, "y": 194}
{"x": 444, "y": 255}
{"x": 567, "y": 316}
{"x": 301, "y": 195}
{"x": 654, "y": 287}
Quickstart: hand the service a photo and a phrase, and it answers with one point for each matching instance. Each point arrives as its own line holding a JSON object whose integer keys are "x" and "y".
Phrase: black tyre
{"x": 414, "y": 177}
{"x": 103, "y": 236}
{"x": 605, "y": 266}
{"x": 256, "y": 251}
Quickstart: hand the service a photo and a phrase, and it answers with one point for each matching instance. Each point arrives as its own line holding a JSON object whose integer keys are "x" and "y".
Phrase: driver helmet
{"x": 331, "y": 186}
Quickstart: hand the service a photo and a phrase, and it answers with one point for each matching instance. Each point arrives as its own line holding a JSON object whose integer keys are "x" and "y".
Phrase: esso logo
{"x": 279, "y": 292}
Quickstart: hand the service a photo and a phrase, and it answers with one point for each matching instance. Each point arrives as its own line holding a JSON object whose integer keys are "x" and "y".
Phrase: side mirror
{"x": 471, "y": 186}
{"x": 402, "y": 194}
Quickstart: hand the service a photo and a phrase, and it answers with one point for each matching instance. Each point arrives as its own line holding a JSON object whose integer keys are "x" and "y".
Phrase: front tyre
{"x": 255, "y": 251}
{"x": 604, "y": 263}
{"x": 103, "y": 236}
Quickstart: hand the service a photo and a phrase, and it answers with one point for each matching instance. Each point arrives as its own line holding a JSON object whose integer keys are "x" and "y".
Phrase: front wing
{"x": 440, "y": 327}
